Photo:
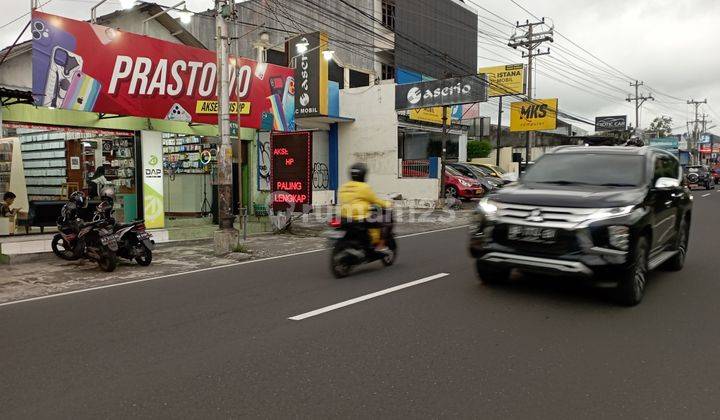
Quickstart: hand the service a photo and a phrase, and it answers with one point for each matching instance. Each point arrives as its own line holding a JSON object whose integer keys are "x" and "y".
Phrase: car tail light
{"x": 335, "y": 222}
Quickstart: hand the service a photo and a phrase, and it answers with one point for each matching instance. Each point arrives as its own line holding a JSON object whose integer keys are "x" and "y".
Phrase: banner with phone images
{"x": 81, "y": 66}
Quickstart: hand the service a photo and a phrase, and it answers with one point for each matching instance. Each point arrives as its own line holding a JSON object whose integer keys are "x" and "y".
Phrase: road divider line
{"x": 366, "y": 297}
{"x": 706, "y": 195}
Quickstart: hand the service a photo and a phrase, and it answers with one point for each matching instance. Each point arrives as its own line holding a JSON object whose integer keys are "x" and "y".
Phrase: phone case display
{"x": 5, "y": 166}
{"x": 12, "y": 177}
{"x": 43, "y": 155}
{"x": 188, "y": 155}
{"x": 119, "y": 153}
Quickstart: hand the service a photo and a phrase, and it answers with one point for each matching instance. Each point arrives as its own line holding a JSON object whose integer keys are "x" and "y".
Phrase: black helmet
{"x": 358, "y": 172}
{"x": 78, "y": 197}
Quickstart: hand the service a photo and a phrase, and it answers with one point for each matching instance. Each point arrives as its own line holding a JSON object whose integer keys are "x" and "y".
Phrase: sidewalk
{"x": 48, "y": 274}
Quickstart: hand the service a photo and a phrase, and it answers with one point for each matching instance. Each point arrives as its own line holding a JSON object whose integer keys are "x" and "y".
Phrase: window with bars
{"x": 388, "y": 14}
{"x": 387, "y": 72}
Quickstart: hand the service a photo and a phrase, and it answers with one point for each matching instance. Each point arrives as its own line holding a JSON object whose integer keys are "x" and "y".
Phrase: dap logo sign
{"x": 538, "y": 114}
{"x": 153, "y": 170}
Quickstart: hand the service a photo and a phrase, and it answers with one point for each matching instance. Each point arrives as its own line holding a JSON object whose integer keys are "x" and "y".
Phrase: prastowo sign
{"x": 444, "y": 92}
{"x": 85, "y": 67}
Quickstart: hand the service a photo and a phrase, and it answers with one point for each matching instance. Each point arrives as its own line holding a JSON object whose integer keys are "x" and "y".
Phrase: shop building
{"x": 64, "y": 150}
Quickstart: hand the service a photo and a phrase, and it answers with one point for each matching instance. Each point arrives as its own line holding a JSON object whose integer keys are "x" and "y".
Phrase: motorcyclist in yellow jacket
{"x": 356, "y": 199}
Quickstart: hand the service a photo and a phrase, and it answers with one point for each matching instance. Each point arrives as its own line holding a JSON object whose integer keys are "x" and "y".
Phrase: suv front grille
{"x": 556, "y": 217}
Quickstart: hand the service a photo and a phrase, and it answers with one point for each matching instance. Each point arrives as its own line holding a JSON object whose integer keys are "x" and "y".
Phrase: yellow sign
{"x": 505, "y": 80}
{"x": 211, "y": 107}
{"x": 538, "y": 114}
{"x": 433, "y": 115}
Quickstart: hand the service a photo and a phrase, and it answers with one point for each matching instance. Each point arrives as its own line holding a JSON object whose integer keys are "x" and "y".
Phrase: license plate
{"x": 531, "y": 234}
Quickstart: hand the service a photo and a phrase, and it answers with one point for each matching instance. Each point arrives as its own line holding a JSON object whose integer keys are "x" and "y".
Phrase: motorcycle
{"x": 351, "y": 244}
{"x": 65, "y": 244}
{"x": 134, "y": 243}
{"x": 98, "y": 242}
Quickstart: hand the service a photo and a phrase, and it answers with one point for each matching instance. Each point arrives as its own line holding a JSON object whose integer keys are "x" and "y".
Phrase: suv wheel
{"x": 491, "y": 276}
{"x": 451, "y": 191}
{"x": 633, "y": 279}
{"x": 677, "y": 262}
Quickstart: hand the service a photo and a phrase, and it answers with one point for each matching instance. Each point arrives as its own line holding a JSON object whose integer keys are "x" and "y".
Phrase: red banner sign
{"x": 86, "y": 67}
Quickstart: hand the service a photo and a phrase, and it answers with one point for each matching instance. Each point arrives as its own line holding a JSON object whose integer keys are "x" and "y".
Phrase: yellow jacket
{"x": 356, "y": 199}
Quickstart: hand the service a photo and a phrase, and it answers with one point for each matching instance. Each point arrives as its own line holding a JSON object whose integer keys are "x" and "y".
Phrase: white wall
{"x": 372, "y": 138}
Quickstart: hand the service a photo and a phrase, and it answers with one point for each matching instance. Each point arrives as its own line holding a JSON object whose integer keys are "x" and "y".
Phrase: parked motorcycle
{"x": 134, "y": 242}
{"x": 65, "y": 244}
{"x": 352, "y": 247}
{"x": 98, "y": 242}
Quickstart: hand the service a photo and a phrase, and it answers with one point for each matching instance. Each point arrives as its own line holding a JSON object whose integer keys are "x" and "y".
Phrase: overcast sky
{"x": 670, "y": 45}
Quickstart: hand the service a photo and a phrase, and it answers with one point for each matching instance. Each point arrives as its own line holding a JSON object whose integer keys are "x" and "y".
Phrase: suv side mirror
{"x": 664, "y": 183}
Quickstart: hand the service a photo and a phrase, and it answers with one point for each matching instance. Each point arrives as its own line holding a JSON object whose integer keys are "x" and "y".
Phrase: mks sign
{"x": 538, "y": 114}
{"x": 291, "y": 167}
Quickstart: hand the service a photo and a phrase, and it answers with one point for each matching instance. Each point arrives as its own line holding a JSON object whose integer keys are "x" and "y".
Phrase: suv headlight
{"x": 619, "y": 237}
{"x": 487, "y": 208}
{"x": 464, "y": 183}
{"x": 611, "y": 212}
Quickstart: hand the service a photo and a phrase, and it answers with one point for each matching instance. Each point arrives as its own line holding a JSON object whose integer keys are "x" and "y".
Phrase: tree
{"x": 662, "y": 126}
{"x": 478, "y": 149}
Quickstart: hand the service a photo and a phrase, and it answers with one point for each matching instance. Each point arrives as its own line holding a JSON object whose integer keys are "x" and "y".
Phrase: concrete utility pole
{"x": 639, "y": 101}
{"x": 226, "y": 237}
{"x": 531, "y": 40}
{"x": 696, "y": 131}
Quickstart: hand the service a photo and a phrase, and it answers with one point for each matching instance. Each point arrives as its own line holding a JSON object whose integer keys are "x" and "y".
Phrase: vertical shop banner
{"x": 311, "y": 74}
{"x": 291, "y": 169}
{"x": 538, "y": 114}
{"x": 263, "y": 161}
{"x": 152, "y": 168}
{"x": 80, "y": 66}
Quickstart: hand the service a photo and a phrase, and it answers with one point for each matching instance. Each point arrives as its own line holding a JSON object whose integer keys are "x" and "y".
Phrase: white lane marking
{"x": 706, "y": 195}
{"x": 366, "y": 297}
{"x": 200, "y": 270}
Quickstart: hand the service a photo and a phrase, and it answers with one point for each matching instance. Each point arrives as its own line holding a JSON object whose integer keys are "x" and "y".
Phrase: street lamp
{"x": 124, "y": 4}
{"x": 185, "y": 15}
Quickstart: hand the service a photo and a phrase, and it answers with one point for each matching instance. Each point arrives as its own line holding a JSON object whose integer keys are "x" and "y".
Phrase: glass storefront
{"x": 190, "y": 171}
{"x": 57, "y": 162}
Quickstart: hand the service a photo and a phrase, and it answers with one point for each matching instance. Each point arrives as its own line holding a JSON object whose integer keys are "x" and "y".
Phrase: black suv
{"x": 699, "y": 175}
{"x": 609, "y": 214}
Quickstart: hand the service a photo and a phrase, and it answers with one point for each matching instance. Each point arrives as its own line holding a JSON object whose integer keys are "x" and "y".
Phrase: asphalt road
{"x": 219, "y": 344}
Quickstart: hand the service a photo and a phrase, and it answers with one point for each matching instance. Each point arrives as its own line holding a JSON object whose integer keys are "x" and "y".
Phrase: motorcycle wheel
{"x": 146, "y": 258}
{"x": 339, "y": 267}
{"x": 107, "y": 261}
{"x": 62, "y": 248}
{"x": 389, "y": 259}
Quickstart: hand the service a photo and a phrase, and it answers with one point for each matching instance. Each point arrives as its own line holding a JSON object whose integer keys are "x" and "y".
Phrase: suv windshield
{"x": 588, "y": 169}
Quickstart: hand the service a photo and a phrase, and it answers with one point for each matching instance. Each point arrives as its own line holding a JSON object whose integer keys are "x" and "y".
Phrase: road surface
{"x": 420, "y": 339}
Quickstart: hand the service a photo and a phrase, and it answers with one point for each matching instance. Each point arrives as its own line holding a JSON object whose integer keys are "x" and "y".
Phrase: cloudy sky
{"x": 668, "y": 44}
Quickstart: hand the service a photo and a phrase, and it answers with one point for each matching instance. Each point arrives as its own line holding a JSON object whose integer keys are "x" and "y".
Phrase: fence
{"x": 415, "y": 168}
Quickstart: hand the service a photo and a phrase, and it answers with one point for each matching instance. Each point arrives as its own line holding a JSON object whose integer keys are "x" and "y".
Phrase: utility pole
{"x": 531, "y": 40}
{"x": 639, "y": 101}
{"x": 696, "y": 132}
{"x": 226, "y": 237}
